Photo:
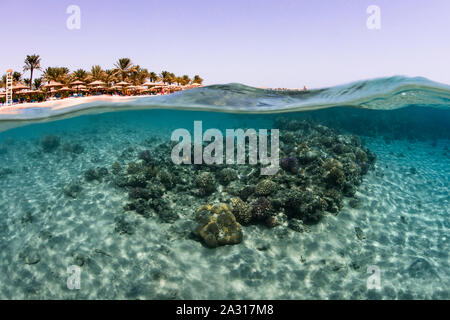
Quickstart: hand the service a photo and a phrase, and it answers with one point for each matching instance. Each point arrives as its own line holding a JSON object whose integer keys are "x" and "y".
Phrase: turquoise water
{"x": 64, "y": 201}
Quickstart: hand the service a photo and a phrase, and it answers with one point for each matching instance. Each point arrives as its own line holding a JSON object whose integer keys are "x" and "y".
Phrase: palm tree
{"x": 110, "y": 76}
{"x": 32, "y": 63}
{"x": 79, "y": 75}
{"x": 123, "y": 67}
{"x": 179, "y": 80}
{"x": 58, "y": 74}
{"x": 17, "y": 77}
{"x": 153, "y": 77}
{"x": 3, "y": 81}
{"x": 186, "y": 80}
{"x": 197, "y": 79}
{"x": 165, "y": 76}
{"x": 37, "y": 83}
{"x": 27, "y": 82}
{"x": 138, "y": 75}
{"x": 97, "y": 73}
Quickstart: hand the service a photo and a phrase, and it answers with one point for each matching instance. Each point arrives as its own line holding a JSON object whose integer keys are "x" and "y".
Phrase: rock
{"x": 422, "y": 269}
{"x": 95, "y": 174}
{"x": 5, "y": 172}
{"x": 360, "y": 233}
{"x": 355, "y": 203}
{"x": 30, "y": 256}
{"x": 298, "y": 225}
{"x": 50, "y": 143}
{"x": 72, "y": 190}
{"x": 73, "y": 148}
{"x": 123, "y": 226}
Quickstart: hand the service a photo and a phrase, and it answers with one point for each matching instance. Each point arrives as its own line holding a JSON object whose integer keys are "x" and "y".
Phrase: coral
{"x": 134, "y": 168}
{"x": 271, "y": 221}
{"x": 335, "y": 176}
{"x": 116, "y": 168}
{"x": 303, "y": 148}
{"x": 73, "y": 148}
{"x": 227, "y": 175}
{"x": 72, "y": 190}
{"x": 360, "y": 155}
{"x": 304, "y": 205}
{"x": 145, "y": 156}
{"x": 163, "y": 209}
{"x": 246, "y": 192}
{"x": 265, "y": 187}
{"x": 289, "y": 164}
{"x": 241, "y": 210}
{"x": 139, "y": 193}
{"x": 166, "y": 179}
{"x": 261, "y": 209}
{"x": 321, "y": 168}
{"x": 95, "y": 174}
{"x": 50, "y": 143}
{"x": 217, "y": 226}
{"x": 206, "y": 183}
{"x": 298, "y": 225}
{"x": 123, "y": 226}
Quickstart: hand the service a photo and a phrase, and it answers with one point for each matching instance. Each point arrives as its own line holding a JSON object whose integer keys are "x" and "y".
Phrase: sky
{"x": 262, "y": 43}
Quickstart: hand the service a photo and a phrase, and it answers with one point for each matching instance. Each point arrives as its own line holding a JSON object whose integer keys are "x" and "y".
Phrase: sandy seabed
{"x": 402, "y": 211}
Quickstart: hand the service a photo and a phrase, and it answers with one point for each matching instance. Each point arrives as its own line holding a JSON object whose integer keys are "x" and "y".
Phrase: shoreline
{"x": 66, "y": 103}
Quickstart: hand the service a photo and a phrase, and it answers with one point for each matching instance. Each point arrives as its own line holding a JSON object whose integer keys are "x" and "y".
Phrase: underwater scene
{"x": 358, "y": 207}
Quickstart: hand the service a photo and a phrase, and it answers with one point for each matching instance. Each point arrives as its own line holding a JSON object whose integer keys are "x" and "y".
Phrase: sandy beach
{"x": 66, "y": 103}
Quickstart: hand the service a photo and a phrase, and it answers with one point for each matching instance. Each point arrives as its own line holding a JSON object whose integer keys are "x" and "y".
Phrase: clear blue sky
{"x": 276, "y": 43}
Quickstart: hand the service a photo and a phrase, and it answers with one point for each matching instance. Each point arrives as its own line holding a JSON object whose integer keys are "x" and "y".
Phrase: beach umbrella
{"x": 19, "y": 86}
{"x": 78, "y": 84}
{"x": 122, "y": 84}
{"x": 64, "y": 89}
{"x": 149, "y": 84}
{"x": 97, "y": 83}
{"x": 53, "y": 84}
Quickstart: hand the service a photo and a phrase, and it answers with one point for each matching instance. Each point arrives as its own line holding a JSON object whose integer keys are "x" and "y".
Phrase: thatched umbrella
{"x": 150, "y": 84}
{"x": 97, "y": 83}
{"x": 77, "y": 83}
{"x": 53, "y": 84}
{"x": 19, "y": 86}
{"x": 122, "y": 84}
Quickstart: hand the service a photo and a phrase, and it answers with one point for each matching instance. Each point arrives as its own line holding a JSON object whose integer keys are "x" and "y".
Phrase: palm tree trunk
{"x": 31, "y": 79}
